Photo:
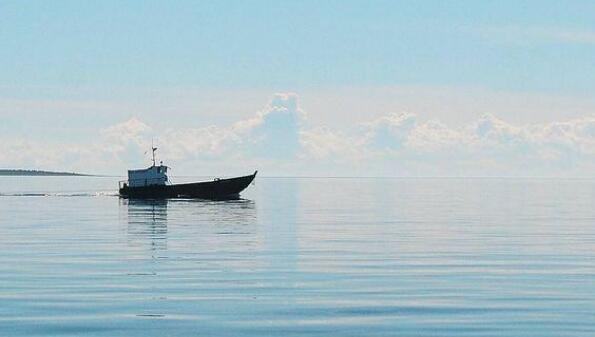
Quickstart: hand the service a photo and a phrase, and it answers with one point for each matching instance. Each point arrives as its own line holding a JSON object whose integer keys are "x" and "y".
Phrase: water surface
{"x": 297, "y": 257}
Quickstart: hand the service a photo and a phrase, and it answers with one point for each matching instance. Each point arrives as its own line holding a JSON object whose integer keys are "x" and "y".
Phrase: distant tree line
{"x": 9, "y": 172}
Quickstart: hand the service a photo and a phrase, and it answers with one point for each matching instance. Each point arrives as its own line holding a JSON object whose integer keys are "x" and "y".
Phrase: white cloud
{"x": 124, "y": 140}
{"x": 488, "y": 146}
{"x": 279, "y": 141}
{"x": 322, "y": 143}
{"x": 271, "y": 133}
{"x": 275, "y": 131}
{"x": 391, "y": 131}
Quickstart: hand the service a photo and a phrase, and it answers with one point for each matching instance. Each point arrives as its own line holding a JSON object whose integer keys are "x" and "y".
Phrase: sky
{"x": 300, "y": 88}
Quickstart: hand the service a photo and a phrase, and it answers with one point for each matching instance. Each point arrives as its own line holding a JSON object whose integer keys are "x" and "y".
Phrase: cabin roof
{"x": 147, "y": 169}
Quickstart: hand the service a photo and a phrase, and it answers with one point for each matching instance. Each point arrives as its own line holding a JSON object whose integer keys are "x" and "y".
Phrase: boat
{"x": 153, "y": 183}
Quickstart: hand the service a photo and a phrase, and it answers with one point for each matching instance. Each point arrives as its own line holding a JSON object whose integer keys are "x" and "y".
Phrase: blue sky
{"x": 69, "y": 69}
{"x": 297, "y": 44}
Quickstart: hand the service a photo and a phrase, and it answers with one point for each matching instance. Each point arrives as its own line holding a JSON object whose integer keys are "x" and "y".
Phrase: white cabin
{"x": 154, "y": 175}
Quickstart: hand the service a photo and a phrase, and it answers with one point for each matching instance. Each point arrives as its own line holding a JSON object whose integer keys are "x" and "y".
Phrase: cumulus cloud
{"x": 275, "y": 131}
{"x": 322, "y": 143}
{"x": 488, "y": 145}
{"x": 391, "y": 131}
{"x": 121, "y": 142}
{"x": 279, "y": 140}
{"x": 272, "y": 133}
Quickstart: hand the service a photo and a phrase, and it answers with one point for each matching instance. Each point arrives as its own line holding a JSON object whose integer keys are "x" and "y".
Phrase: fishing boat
{"x": 153, "y": 182}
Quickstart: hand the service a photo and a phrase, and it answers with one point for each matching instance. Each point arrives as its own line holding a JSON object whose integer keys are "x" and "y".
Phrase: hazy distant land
{"x": 19, "y": 172}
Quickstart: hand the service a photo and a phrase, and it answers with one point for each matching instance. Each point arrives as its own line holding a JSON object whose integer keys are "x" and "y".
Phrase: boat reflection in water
{"x": 168, "y": 228}
{"x": 147, "y": 223}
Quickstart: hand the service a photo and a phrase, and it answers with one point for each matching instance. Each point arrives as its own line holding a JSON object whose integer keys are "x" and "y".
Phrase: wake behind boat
{"x": 153, "y": 182}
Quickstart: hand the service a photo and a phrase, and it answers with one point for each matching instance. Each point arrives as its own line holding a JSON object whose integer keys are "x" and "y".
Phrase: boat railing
{"x": 147, "y": 182}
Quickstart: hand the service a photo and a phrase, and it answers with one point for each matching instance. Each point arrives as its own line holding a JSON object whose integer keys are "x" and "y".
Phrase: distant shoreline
{"x": 40, "y": 173}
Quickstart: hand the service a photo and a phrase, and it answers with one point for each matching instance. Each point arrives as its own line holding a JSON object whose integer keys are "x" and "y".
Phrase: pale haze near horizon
{"x": 339, "y": 88}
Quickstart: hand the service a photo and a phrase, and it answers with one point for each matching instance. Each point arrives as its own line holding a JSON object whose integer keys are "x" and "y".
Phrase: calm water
{"x": 296, "y": 257}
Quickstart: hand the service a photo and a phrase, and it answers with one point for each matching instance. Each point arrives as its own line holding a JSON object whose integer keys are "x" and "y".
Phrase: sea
{"x": 300, "y": 257}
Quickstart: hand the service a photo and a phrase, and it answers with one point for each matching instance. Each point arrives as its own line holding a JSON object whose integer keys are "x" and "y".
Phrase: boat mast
{"x": 153, "y": 148}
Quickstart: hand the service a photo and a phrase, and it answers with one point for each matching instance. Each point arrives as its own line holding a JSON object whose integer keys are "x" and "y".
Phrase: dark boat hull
{"x": 216, "y": 189}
